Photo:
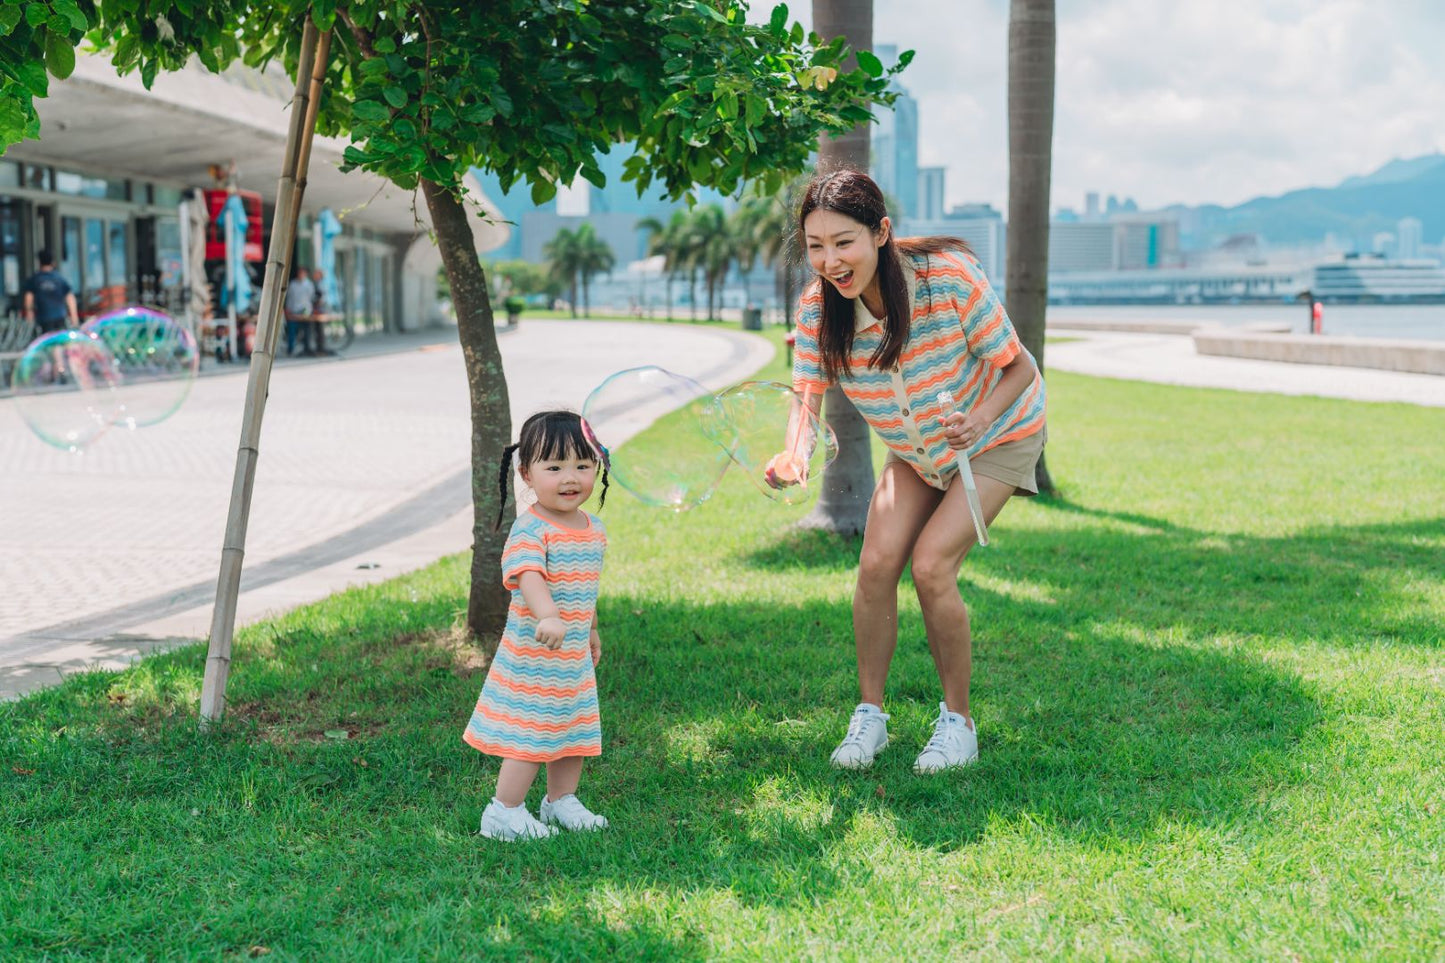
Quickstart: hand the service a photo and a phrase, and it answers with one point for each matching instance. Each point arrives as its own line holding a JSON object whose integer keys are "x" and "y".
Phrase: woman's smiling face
{"x": 843, "y": 250}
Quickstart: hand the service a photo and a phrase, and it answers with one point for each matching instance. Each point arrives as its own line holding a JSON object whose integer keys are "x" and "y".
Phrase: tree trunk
{"x": 572, "y": 296}
{"x": 848, "y": 483}
{"x": 491, "y": 409}
{"x": 586, "y": 298}
{"x": 1030, "y": 148}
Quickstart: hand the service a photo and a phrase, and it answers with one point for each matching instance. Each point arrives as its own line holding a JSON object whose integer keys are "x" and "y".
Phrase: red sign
{"x": 216, "y": 238}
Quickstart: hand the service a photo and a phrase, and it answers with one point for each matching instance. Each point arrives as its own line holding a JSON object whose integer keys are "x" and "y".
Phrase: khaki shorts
{"x": 1012, "y": 463}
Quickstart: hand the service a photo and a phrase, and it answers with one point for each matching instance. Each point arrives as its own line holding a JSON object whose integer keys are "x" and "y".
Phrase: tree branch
{"x": 363, "y": 39}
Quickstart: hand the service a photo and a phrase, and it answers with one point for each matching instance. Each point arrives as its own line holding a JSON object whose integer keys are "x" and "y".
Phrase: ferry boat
{"x": 1369, "y": 278}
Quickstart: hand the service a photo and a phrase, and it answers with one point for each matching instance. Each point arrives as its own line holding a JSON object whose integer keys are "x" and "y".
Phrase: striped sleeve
{"x": 807, "y": 360}
{"x": 524, "y": 552}
{"x": 986, "y": 326}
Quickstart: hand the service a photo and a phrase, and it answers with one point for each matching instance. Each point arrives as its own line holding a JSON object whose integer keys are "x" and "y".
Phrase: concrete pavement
{"x": 1171, "y": 359}
{"x": 364, "y": 461}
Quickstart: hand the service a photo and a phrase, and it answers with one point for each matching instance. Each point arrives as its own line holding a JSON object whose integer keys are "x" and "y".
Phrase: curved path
{"x": 1171, "y": 359}
{"x": 363, "y": 475}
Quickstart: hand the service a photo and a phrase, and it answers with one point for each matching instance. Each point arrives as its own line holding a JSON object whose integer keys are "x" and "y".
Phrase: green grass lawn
{"x": 1209, "y": 687}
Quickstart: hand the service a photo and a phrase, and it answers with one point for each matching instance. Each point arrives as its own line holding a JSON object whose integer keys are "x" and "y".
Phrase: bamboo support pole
{"x": 310, "y": 72}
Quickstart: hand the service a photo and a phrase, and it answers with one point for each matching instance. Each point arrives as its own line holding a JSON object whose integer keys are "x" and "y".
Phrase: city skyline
{"x": 1254, "y": 104}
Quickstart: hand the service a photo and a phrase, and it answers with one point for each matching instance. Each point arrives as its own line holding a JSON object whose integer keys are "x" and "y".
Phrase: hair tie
{"x": 592, "y": 440}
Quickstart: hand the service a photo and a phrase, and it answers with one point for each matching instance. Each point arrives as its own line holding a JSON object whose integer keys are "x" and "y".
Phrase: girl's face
{"x": 562, "y": 485}
{"x": 843, "y": 250}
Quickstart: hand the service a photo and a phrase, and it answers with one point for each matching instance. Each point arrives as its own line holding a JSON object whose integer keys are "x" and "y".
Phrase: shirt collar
{"x": 863, "y": 318}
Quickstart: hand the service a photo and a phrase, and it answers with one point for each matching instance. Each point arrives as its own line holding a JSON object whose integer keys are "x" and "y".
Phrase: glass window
{"x": 168, "y": 251}
{"x": 35, "y": 177}
{"x": 70, "y": 250}
{"x": 9, "y": 174}
{"x": 84, "y": 185}
{"x": 166, "y": 196}
{"x": 10, "y": 255}
{"x": 117, "y": 270}
{"x": 94, "y": 261}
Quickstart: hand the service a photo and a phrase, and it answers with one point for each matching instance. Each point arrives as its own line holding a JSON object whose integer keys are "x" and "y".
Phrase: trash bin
{"x": 752, "y": 319}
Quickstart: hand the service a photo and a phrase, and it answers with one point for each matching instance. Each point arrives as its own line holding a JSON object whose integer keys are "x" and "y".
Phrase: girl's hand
{"x": 963, "y": 431}
{"x": 596, "y": 645}
{"x": 551, "y": 632}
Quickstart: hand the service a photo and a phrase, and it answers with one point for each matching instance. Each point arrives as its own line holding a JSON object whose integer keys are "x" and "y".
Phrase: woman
{"x": 895, "y": 322}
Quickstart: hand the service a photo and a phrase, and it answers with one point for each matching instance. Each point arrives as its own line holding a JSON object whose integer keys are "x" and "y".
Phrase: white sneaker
{"x": 867, "y": 736}
{"x": 509, "y": 825}
{"x": 954, "y": 744}
{"x": 569, "y": 813}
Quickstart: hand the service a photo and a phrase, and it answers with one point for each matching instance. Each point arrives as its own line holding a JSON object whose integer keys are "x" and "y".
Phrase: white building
{"x": 104, "y": 185}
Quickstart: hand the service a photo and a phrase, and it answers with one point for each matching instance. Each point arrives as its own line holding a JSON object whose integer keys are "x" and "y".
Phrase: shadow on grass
{"x": 1117, "y": 691}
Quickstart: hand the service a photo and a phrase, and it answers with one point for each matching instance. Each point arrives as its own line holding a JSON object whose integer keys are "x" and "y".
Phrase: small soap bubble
{"x": 65, "y": 388}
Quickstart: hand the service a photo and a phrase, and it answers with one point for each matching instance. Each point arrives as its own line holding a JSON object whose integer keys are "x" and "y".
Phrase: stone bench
{"x": 1419, "y": 357}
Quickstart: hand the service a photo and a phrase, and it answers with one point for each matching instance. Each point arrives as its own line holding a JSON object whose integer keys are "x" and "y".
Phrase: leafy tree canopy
{"x": 531, "y": 89}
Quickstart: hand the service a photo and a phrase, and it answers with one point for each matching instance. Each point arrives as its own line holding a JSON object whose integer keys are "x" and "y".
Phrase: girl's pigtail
{"x": 502, "y": 478}
{"x": 602, "y": 501}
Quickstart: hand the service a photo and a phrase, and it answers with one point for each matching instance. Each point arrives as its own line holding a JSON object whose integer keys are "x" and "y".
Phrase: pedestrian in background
{"x": 49, "y": 299}
{"x": 299, "y": 306}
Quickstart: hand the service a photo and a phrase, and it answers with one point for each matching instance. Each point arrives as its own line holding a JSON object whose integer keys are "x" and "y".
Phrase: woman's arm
{"x": 964, "y": 429}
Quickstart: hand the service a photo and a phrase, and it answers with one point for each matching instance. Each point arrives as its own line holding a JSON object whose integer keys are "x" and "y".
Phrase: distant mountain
{"x": 1397, "y": 170}
{"x": 1356, "y": 210}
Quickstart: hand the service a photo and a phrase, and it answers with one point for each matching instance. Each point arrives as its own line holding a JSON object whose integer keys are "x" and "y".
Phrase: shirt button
{"x": 919, "y": 450}
{"x": 905, "y": 411}
{"x": 894, "y": 369}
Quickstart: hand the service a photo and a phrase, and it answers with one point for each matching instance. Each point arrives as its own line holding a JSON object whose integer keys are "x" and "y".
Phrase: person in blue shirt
{"x": 49, "y": 299}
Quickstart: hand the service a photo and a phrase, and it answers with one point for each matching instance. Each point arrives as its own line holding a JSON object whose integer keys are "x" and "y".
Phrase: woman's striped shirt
{"x": 959, "y": 340}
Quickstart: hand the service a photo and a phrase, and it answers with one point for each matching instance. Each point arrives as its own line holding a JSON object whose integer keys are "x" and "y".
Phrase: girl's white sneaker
{"x": 511, "y": 824}
{"x": 954, "y": 744}
{"x": 569, "y": 813}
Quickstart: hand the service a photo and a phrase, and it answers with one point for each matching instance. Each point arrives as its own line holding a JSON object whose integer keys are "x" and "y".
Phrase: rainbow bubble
{"x": 157, "y": 360}
{"x": 65, "y": 388}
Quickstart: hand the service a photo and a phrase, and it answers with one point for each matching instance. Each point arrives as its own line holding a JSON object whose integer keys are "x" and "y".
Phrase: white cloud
{"x": 1180, "y": 101}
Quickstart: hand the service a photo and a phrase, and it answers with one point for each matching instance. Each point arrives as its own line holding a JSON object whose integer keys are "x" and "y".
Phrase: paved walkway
{"x": 1171, "y": 359}
{"x": 364, "y": 462}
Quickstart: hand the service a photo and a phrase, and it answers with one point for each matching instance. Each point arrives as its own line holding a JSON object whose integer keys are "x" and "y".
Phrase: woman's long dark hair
{"x": 855, "y": 195}
{"x": 550, "y": 436}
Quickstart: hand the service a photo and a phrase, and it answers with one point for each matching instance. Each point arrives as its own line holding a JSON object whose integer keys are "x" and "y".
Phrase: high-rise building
{"x": 1409, "y": 233}
{"x": 895, "y": 146}
{"x": 930, "y": 192}
{"x": 514, "y": 206}
{"x": 1091, "y": 204}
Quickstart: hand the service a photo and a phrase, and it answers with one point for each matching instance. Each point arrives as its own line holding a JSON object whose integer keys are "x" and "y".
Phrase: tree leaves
{"x": 59, "y": 55}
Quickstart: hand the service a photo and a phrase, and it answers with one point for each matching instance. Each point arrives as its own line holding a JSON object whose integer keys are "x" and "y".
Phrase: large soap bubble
{"x": 157, "y": 359}
{"x": 678, "y": 467}
{"x": 778, "y": 440}
{"x": 65, "y": 388}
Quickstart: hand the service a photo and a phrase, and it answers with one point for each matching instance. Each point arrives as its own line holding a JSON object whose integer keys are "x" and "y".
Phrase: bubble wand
{"x": 794, "y": 467}
{"x": 970, "y": 489}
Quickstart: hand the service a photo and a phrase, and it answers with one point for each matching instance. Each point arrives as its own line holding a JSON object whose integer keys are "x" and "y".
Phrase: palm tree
{"x": 1031, "y": 40}
{"x": 564, "y": 261}
{"x": 594, "y": 256}
{"x": 765, "y": 229}
{"x": 712, "y": 251}
{"x": 668, "y": 240}
{"x": 848, "y": 482}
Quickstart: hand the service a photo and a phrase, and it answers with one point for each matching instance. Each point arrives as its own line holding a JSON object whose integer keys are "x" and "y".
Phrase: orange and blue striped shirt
{"x": 959, "y": 340}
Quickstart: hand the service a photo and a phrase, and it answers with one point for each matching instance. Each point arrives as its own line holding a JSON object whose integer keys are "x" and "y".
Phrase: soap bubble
{"x": 65, "y": 388}
{"x": 677, "y": 467}
{"x": 157, "y": 359}
{"x": 775, "y": 432}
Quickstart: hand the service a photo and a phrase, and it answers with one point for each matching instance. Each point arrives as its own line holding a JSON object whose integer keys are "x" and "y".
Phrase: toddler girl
{"x": 539, "y": 702}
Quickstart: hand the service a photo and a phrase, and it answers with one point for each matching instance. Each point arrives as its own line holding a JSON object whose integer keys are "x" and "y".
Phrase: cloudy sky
{"x": 1189, "y": 101}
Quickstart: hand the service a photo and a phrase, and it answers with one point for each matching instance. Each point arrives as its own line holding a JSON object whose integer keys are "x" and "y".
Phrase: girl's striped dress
{"x": 540, "y": 704}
